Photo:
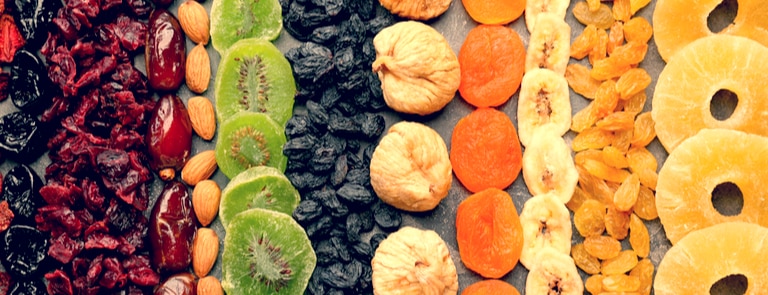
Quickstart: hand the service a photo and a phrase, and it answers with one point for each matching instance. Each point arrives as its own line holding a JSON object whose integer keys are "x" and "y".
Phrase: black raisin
{"x": 330, "y": 97}
{"x": 382, "y": 20}
{"x": 355, "y": 194}
{"x": 320, "y": 227}
{"x": 362, "y": 251}
{"x": 324, "y": 35}
{"x": 298, "y": 125}
{"x": 306, "y": 180}
{"x": 376, "y": 240}
{"x": 346, "y": 62}
{"x": 332, "y": 7}
{"x": 22, "y": 137}
{"x": 355, "y": 162}
{"x": 339, "y": 171}
{"x": 366, "y": 220}
{"x": 368, "y": 154}
{"x": 307, "y": 211}
{"x": 365, "y": 283}
{"x": 21, "y": 188}
{"x": 354, "y": 82}
{"x": 342, "y": 276}
{"x": 25, "y": 250}
{"x": 318, "y": 115}
{"x": 300, "y": 147}
{"x": 316, "y": 285}
{"x": 343, "y": 126}
{"x": 33, "y": 286}
{"x": 335, "y": 292}
{"x": 330, "y": 202}
{"x": 354, "y": 227}
{"x": 365, "y": 8}
{"x": 326, "y": 253}
{"x": 387, "y": 217}
{"x": 342, "y": 247}
{"x": 361, "y": 176}
{"x": 353, "y": 146}
{"x": 323, "y": 158}
{"x": 351, "y": 32}
{"x": 372, "y": 124}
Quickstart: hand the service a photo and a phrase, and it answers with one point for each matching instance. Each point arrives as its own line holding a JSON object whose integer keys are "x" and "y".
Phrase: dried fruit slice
{"x": 681, "y": 110}
{"x": 492, "y": 60}
{"x": 697, "y": 167}
{"x": 490, "y": 287}
{"x": 489, "y": 233}
{"x": 494, "y": 12}
{"x": 247, "y": 140}
{"x": 254, "y": 76}
{"x": 548, "y": 166}
{"x": 266, "y": 252}
{"x": 534, "y": 8}
{"x": 544, "y": 101}
{"x": 233, "y": 20}
{"x": 708, "y": 255}
{"x": 546, "y": 224}
{"x": 677, "y": 24}
{"x": 258, "y": 187}
{"x": 550, "y": 45}
{"x": 554, "y": 270}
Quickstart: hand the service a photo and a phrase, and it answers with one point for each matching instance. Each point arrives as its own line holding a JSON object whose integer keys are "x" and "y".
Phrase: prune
{"x": 307, "y": 211}
{"x": 355, "y": 194}
{"x": 24, "y": 251}
{"x": 31, "y": 89}
{"x": 169, "y": 136}
{"x": 376, "y": 240}
{"x": 22, "y": 137}
{"x": 172, "y": 227}
{"x": 342, "y": 276}
{"x": 33, "y": 286}
{"x": 21, "y": 187}
{"x": 386, "y": 216}
{"x": 165, "y": 52}
{"x": 34, "y": 18}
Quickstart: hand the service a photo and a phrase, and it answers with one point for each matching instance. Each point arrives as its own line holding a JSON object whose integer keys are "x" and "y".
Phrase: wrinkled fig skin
{"x": 165, "y": 54}
{"x": 169, "y": 138}
{"x": 172, "y": 227}
{"x": 178, "y": 284}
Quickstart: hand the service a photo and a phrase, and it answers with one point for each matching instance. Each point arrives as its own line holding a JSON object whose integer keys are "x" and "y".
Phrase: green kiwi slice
{"x": 258, "y": 187}
{"x": 254, "y": 76}
{"x": 266, "y": 252}
{"x": 233, "y": 20}
{"x": 247, "y": 140}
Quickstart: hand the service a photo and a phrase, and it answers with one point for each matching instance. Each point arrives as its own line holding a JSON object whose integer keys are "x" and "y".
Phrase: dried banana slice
{"x": 549, "y": 167}
{"x": 533, "y": 8}
{"x": 544, "y": 101}
{"x": 413, "y": 261}
{"x": 553, "y": 273}
{"x": 550, "y": 44}
{"x": 546, "y": 224}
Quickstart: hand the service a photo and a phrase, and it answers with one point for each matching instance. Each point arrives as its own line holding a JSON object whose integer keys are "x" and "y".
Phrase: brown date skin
{"x": 169, "y": 136}
{"x": 178, "y": 284}
{"x": 165, "y": 54}
{"x": 172, "y": 227}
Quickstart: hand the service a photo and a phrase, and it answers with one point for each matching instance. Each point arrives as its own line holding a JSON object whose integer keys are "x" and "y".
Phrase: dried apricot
{"x": 490, "y": 287}
{"x": 639, "y": 238}
{"x": 492, "y": 62}
{"x": 489, "y": 233}
{"x": 591, "y": 138}
{"x": 626, "y": 195}
{"x": 584, "y": 260}
{"x": 602, "y": 247}
{"x": 622, "y": 263}
{"x": 494, "y": 12}
{"x": 645, "y": 207}
{"x": 499, "y": 161}
{"x": 602, "y": 17}
{"x": 579, "y": 80}
{"x": 645, "y": 130}
{"x": 583, "y": 43}
{"x": 632, "y": 81}
{"x": 589, "y": 219}
{"x": 620, "y": 283}
{"x": 638, "y": 29}
{"x": 617, "y": 223}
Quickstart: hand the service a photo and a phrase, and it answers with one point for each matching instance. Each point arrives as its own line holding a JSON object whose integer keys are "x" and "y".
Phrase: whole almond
{"x": 209, "y": 285}
{"x": 200, "y": 167}
{"x": 203, "y": 117}
{"x": 205, "y": 249}
{"x": 194, "y": 21}
{"x": 205, "y": 201}
{"x": 198, "y": 69}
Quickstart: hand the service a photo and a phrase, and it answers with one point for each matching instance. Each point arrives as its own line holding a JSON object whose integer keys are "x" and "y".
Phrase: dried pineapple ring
{"x": 698, "y": 166}
{"x": 683, "y": 95}
{"x": 677, "y": 23}
{"x": 705, "y": 256}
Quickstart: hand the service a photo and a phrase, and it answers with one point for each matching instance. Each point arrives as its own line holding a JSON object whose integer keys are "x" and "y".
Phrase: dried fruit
{"x": 550, "y": 45}
{"x": 21, "y": 187}
{"x": 585, "y": 261}
{"x": 594, "y": 284}
{"x": 639, "y": 238}
{"x": 632, "y": 82}
{"x": 620, "y": 283}
{"x": 169, "y": 136}
{"x": 490, "y": 287}
{"x": 24, "y": 251}
{"x": 543, "y": 102}
{"x": 645, "y": 206}
{"x": 198, "y": 68}
{"x": 579, "y": 80}
{"x": 165, "y": 53}
{"x": 644, "y": 271}
{"x": 589, "y": 218}
{"x": 22, "y": 137}
{"x": 195, "y": 22}
{"x": 31, "y": 89}
{"x": 644, "y": 130}
{"x": 10, "y": 38}
{"x": 202, "y": 117}
{"x": 617, "y": 223}
{"x": 247, "y": 140}
{"x": 494, "y": 12}
{"x": 554, "y": 271}
{"x": 638, "y": 29}
{"x": 622, "y": 263}
{"x": 256, "y": 20}
{"x": 257, "y": 187}
{"x": 602, "y": 247}
{"x": 546, "y": 224}
{"x": 534, "y": 8}
{"x": 205, "y": 249}
{"x": 200, "y": 167}
{"x": 172, "y": 227}
{"x": 181, "y": 284}
{"x": 601, "y": 18}
{"x": 209, "y": 285}
{"x": 417, "y": 10}
{"x": 205, "y": 201}
{"x": 548, "y": 166}
{"x": 626, "y": 195}
{"x": 414, "y": 80}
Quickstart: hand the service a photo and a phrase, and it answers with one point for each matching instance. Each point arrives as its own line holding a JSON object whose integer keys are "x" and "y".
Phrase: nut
{"x": 205, "y": 201}
{"x": 199, "y": 168}
{"x": 205, "y": 249}
{"x": 198, "y": 69}
{"x": 209, "y": 285}
{"x": 194, "y": 21}
{"x": 202, "y": 116}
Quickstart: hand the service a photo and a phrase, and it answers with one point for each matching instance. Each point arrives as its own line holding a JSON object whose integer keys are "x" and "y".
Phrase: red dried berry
{"x": 6, "y": 215}
{"x": 10, "y": 38}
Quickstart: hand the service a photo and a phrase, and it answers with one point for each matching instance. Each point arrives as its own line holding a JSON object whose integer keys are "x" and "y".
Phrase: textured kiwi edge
{"x": 261, "y": 122}
{"x": 224, "y": 29}
{"x": 253, "y": 174}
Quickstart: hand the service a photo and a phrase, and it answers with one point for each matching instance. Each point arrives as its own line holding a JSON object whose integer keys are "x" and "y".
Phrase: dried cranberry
{"x": 10, "y": 38}
{"x": 6, "y": 216}
{"x": 5, "y": 279}
{"x": 58, "y": 283}
{"x": 64, "y": 249}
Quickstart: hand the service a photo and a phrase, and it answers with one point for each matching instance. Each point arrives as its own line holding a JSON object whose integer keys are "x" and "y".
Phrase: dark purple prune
{"x": 33, "y": 286}
{"x": 324, "y": 35}
{"x": 360, "y": 176}
{"x": 372, "y": 124}
{"x": 24, "y": 251}
{"x": 306, "y": 180}
{"x": 33, "y": 18}
{"x": 355, "y": 194}
{"x": 376, "y": 240}
{"x": 354, "y": 227}
{"x": 320, "y": 227}
{"x": 327, "y": 197}
{"x": 22, "y": 137}
{"x": 386, "y": 216}
{"x": 341, "y": 275}
{"x": 21, "y": 188}
{"x": 307, "y": 211}
{"x": 339, "y": 172}
{"x": 31, "y": 88}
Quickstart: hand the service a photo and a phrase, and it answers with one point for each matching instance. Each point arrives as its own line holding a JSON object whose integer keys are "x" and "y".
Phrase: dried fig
{"x": 410, "y": 168}
{"x": 418, "y": 10}
{"x": 413, "y": 261}
{"x": 419, "y": 71}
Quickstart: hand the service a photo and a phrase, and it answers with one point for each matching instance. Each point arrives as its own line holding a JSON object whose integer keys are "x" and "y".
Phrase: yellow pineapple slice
{"x": 706, "y": 256}
{"x": 677, "y": 23}
{"x": 698, "y": 166}
{"x": 686, "y": 86}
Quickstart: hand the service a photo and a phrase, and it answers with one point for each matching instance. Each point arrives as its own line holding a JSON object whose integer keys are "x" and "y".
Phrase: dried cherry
{"x": 24, "y": 251}
{"x": 34, "y": 18}
{"x": 22, "y": 137}
{"x": 31, "y": 89}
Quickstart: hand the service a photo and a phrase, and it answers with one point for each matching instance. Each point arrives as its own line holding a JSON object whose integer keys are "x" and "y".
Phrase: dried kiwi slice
{"x": 266, "y": 252}
{"x": 233, "y": 20}
{"x": 254, "y": 76}
{"x": 258, "y": 187}
{"x": 247, "y": 140}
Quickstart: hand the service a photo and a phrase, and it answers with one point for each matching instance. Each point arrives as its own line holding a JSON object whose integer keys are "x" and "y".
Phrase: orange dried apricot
{"x": 622, "y": 263}
{"x": 589, "y": 219}
{"x": 492, "y": 62}
{"x": 602, "y": 247}
{"x": 490, "y": 287}
{"x": 499, "y": 161}
{"x": 639, "y": 238}
{"x": 494, "y": 12}
{"x": 489, "y": 233}
{"x": 586, "y": 262}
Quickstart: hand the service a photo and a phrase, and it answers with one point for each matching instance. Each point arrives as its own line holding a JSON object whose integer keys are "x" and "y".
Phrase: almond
{"x": 198, "y": 69}
{"x": 209, "y": 285}
{"x": 205, "y": 249}
{"x": 205, "y": 201}
{"x": 200, "y": 167}
{"x": 194, "y": 21}
{"x": 203, "y": 117}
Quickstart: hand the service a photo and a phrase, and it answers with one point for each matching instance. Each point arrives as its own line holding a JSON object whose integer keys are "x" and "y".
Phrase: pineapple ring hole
{"x": 735, "y": 284}
{"x": 722, "y": 16}
{"x": 727, "y": 199}
{"x": 723, "y": 104}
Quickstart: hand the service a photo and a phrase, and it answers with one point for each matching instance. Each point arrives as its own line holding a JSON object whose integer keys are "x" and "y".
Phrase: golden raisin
{"x": 648, "y": 178}
{"x": 591, "y": 13}
{"x": 644, "y": 272}
{"x": 584, "y": 42}
{"x": 638, "y": 29}
{"x": 591, "y": 138}
{"x": 622, "y": 139}
{"x": 583, "y": 119}
{"x": 617, "y": 121}
{"x": 590, "y": 218}
{"x": 636, "y": 103}
{"x": 600, "y": 50}
{"x": 579, "y": 80}
{"x": 620, "y": 283}
{"x": 623, "y": 262}
{"x": 608, "y": 68}
{"x": 615, "y": 37}
{"x": 577, "y": 199}
{"x": 632, "y": 82}
{"x": 602, "y": 247}
{"x": 603, "y": 171}
{"x": 594, "y": 186}
{"x": 631, "y": 53}
{"x": 639, "y": 238}
{"x": 614, "y": 157}
{"x": 640, "y": 158}
{"x": 622, "y": 10}
{"x": 644, "y": 131}
{"x": 584, "y": 260}
{"x": 594, "y": 154}
{"x": 616, "y": 223}
{"x": 606, "y": 99}
{"x": 626, "y": 195}
{"x": 594, "y": 284}
{"x": 645, "y": 207}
